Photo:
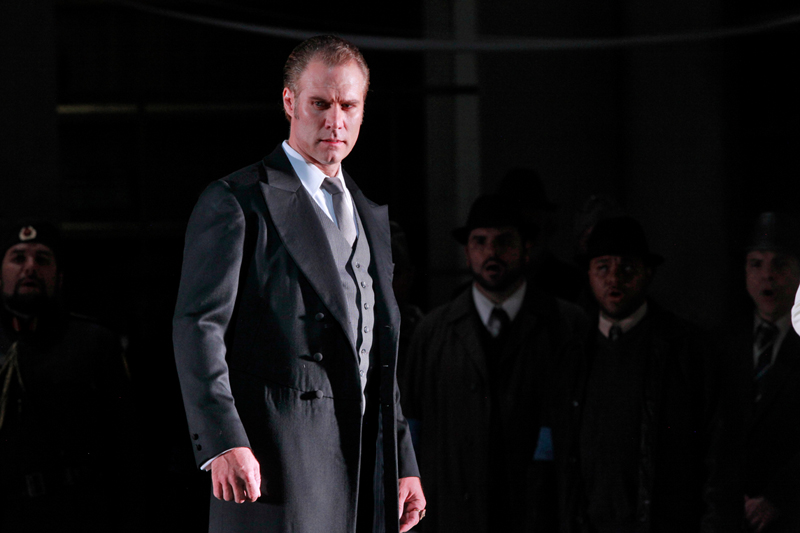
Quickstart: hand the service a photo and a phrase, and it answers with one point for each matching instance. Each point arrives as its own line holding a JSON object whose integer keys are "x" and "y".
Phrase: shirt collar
{"x": 510, "y": 305}
{"x": 627, "y": 323}
{"x": 310, "y": 176}
{"x": 783, "y": 324}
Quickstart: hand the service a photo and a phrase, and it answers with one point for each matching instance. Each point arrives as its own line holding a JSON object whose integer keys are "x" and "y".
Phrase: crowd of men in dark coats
{"x": 531, "y": 413}
{"x": 535, "y": 414}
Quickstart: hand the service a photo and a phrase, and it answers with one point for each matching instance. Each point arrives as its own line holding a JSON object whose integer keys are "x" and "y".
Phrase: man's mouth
{"x": 493, "y": 266}
{"x": 30, "y": 283}
{"x": 615, "y": 293}
{"x": 769, "y": 293}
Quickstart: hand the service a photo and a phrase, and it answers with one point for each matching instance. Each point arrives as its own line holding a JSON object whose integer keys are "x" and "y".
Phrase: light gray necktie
{"x": 343, "y": 218}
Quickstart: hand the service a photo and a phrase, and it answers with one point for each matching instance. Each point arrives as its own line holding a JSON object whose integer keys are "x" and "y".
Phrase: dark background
{"x": 113, "y": 119}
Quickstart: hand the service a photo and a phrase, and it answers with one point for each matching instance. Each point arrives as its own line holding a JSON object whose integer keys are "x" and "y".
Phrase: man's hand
{"x": 412, "y": 502}
{"x": 236, "y": 476}
{"x": 759, "y": 512}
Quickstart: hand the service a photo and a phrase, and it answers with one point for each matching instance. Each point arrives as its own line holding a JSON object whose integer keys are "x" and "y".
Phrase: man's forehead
{"x": 769, "y": 254}
{"x": 491, "y": 231}
{"x": 321, "y": 76}
{"x": 618, "y": 259}
{"x": 30, "y": 247}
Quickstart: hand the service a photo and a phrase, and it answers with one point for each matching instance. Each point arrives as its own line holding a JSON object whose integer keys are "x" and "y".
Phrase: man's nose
{"x": 334, "y": 118}
{"x": 30, "y": 266}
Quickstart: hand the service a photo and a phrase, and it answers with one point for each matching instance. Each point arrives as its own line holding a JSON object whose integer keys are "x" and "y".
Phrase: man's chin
{"x": 27, "y": 304}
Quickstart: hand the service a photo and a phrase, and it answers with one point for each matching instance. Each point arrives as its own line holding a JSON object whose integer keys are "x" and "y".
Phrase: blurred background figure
{"x": 64, "y": 420}
{"x": 597, "y": 207}
{"x": 765, "y": 351}
{"x": 642, "y": 445}
{"x": 478, "y": 376}
{"x": 523, "y": 190}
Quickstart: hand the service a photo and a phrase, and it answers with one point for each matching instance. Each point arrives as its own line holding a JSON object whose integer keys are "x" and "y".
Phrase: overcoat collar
{"x": 292, "y": 212}
{"x": 782, "y": 374}
{"x": 466, "y": 322}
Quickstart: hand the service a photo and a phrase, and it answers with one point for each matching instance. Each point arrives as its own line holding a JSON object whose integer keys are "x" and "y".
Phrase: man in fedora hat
{"x": 766, "y": 352}
{"x": 476, "y": 377}
{"x": 639, "y": 445}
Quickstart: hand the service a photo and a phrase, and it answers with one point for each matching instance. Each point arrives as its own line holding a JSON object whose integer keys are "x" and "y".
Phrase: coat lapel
{"x": 375, "y": 220}
{"x": 782, "y": 374}
{"x": 293, "y": 214}
{"x": 466, "y": 326}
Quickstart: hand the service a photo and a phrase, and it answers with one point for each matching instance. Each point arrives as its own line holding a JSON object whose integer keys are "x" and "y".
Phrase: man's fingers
{"x": 253, "y": 487}
{"x": 409, "y": 519}
{"x": 227, "y": 491}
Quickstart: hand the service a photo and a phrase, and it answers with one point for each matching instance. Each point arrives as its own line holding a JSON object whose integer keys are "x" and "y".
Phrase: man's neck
{"x": 329, "y": 170}
{"x": 498, "y": 297}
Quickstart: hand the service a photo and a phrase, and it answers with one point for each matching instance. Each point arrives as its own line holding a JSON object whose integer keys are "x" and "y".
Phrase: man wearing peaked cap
{"x": 62, "y": 397}
{"x": 640, "y": 442}
{"x": 766, "y": 352}
{"x": 477, "y": 380}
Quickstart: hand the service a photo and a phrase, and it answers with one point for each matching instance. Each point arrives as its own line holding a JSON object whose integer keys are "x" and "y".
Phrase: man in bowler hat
{"x": 476, "y": 378}
{"x": 641, "y": 443}
{"x": 766, "y": 352}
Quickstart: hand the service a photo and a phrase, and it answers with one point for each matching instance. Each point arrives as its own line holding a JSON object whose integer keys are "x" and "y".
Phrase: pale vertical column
{"x": 453, "y": 142}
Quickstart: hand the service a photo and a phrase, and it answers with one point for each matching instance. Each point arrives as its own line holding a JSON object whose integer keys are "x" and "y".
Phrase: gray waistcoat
{"x": 352, "y": 264}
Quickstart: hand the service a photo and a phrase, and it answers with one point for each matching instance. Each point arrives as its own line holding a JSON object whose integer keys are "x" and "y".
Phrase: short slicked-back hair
{"x": 331, "y": 50}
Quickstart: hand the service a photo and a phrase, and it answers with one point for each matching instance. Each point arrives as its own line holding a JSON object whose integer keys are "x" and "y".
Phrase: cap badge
{"x": 28, "y": 233}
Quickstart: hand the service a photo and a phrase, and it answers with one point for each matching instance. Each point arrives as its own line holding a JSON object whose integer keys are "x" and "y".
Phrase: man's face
{"x": 29, "y": 275}
{"x": 619, "y": 284}
{"x": 772, "y": 280}
{"x": 326, "y": 113}
{"x": 496, "y": 257}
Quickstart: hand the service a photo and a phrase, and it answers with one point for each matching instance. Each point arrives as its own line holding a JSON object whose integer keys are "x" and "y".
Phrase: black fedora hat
{"x": 620, "y": 236}
{"x": 524, "y": 186}
{"x": 494, "y": 211}
{"x": 774, "y": 232}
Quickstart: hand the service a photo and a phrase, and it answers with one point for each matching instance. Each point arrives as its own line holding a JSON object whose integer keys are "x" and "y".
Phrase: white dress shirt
{"x": 626, "y": 324}
{"x": 510, "y": 305}
{"x": 312, "y": 177}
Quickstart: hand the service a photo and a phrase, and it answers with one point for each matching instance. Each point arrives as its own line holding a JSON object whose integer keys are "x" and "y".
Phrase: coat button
{"x": 317, "y": 357}
{"x": 199, "y": 447}
{"x": 319, "y": 316}
{"x": 317, "y": 394}
{"x": 195, "y": 436}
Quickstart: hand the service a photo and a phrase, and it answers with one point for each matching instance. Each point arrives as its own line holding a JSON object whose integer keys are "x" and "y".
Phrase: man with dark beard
{"x": 476, "y": 379}
{"x": 61, "y": 397}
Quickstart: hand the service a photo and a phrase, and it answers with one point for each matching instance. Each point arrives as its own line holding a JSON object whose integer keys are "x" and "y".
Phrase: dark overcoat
{"x": 480, "y": 420}
{"x": 686, "y": 465}
{"x": 266, "y": 360}
{"x": 771, "y": 429}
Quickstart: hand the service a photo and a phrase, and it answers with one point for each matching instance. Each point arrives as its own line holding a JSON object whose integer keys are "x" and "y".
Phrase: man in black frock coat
{"x": 286, "y": 328}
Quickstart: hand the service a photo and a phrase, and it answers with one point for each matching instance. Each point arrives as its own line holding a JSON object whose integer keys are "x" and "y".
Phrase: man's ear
{"x": 288, "y": 101}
